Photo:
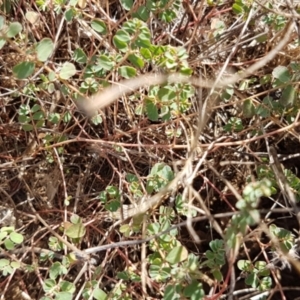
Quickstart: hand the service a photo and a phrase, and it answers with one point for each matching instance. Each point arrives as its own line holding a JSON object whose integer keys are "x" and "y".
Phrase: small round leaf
{"x": 9, "y": 245}
{"x": 177, "y": 254}
{"x": 44, "y": 49}
{"x": 23, "y": 69}
{"x": 15, "y": 264}
{"x": 80, "y": 56}
{"x": 282, "y": 73}
{"x": 99, "y": 26}
{"x": 67, "y": 71}
{"x": 151, "y": 109}
{"x": 17, "y": 238}
{"x": 48, "y": 285}
{"x": 127, "y": 72}
{"x": 63, "y": 296}
{"x": 136, "y": 61}
{"x": 13, "y": 29}
{"x": 127, "y": 4}
{"x": 4, "y": 262}
{"x": 99, "y": 294}
{"x": 32, "y": 17}
{"x": 75, "y": 231}
{"x": 105, "y": 62}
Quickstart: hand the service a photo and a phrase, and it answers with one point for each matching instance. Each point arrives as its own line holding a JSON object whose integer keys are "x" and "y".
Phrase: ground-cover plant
{"x": 209, "y": 174}
{"x": 9, "y": 239}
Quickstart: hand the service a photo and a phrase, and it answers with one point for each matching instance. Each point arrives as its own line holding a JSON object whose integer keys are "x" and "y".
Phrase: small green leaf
{"x": 15, "y": 264}
{"x": 194, "y": 290}
{"x": 44, "y": 49}
{"x": 168, "y": 15}
{"x": 67, "y": 286}
{"x": 49, "y": 285}
{"x": 32, "y": 17}
{"x": 186, "y": 71}
{"x": 27, "y": 127}
{"x": 142, "y": 13}
{"x": 166, "y": 93}
{"x": 265, "y": 283}
{"x": 56, "y": 270}
{"x": 121, "y": 40}
{"x": 227, "y": 93}
{"x": 234, "y": 124}
{"x": 38, "y": 116}
{"x": 67, "y": 117}
{"x": 288, "y": 96}
{"x": 99, "y": 26}
{"x": 64, "y": 296}
{"x": 262, "y": 267}
{"x": 121, "y": 275}
{"x": 13, "y": 29}
{"x": 131, "y": 177}
{"x": 17, "y": 238}
{"x": 252, "y": 280}
{"x": 158, "y": 273}
{"x": 172, "y": 292}
{"x": 244, "y": 265}
{"x": 262, "y": 38}
{"x": 282, "y": 73}
{"x": 3, "y": 234}
{"x": 144, "y": 37}
{"x": 40, "y": 123}
{"x": 237, "y": 9}
{"x": 54, "y": 118}
{"x": 51, "y": 76}
{"x": 80, "y": 56}
{"x": 112, "y": 191}
{"x": 217, "y": 275}
{"x": 136, "y": 61}
{"x": 9, "y": 245}
{"x": 51, "y": 88}
{"x": 112, "y": 205}
{"x": 75, "y": 219}
{"x": 99, "y": 294}
{"x": 4, "y": 262}
{"x": 248, "y": 109}
{"x": 295, "y": 66}
{"x": 70, "y": 14}
{"x": 262, "y": 111}
{"x": 151, "y": 109}
{"x": 105, "y": 62}
{"x": 35, "y": 108}
{"x": 146, "y": 53}
{"x": 265, "y": 79}
{"x": 102, "y": 197}
{"x": 127, "y": 4}
{"x": 177, "y": 254}
{"x": 8, "y": 229}
{"x": 23, "y": 69}
{"x": 96, "y": 120}
{"x": 67, "y": 71}
{"x": 23, "y": 119}
{"x": 127, "y": 72}
{"x": 125, "y": 228}
{"x": 75, "y": 231}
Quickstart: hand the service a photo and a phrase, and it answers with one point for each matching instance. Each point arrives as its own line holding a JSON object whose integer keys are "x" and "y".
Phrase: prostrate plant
{"x": 106, "y": 48}
{"x": 9, "y": 238}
